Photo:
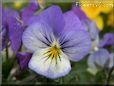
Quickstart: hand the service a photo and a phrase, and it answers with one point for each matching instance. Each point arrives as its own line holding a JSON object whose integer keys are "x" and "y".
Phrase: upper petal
{"x": 37, "y": 35}
{"x": 49, "y": 67}
{"x": 76, "y": 44}
{"x": 53, "y": 17}
{"x": 79, "y": 13}
{"x": 72, "y": 22}
{"x": 13, "y": 27}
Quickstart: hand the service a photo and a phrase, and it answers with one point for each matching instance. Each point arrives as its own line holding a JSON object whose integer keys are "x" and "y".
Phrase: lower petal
{"x": 99, "y": 57}
{"x": 49, "y": 67}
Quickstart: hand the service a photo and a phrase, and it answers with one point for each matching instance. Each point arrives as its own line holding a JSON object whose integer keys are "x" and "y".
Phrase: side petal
{"x": 53, "y": 17}
{"x": 49, "y": 67}
{"x": 37, "y": 35}
{"x": 72, "y": 22}
{"x": 76, "y": 44}
{"x": 93, "y": 29}
{"x": 23, "y": 59}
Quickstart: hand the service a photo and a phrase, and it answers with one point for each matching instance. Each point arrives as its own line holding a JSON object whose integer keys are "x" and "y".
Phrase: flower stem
{"x": 109, "y": 75}
{"x": 7, "y": 53}
{"x": 62, "y": 80}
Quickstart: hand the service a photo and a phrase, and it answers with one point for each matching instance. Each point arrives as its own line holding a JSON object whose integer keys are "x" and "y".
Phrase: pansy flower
{"x": 98, "y": 55}
{"x": 12, "y": 25}
{"x": 101, "y": 56}
{"x": 108, "y": 40}
{"x": 11, "y": 29}
{"x": 55, "y": 39}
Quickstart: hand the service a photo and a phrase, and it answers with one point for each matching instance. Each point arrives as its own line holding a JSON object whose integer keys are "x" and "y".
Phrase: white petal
{"x": 37, "y": 35}
{"x": 48, "y": 67}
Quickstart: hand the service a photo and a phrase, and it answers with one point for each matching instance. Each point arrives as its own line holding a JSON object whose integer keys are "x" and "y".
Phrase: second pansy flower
{"x": 55, "y": 39}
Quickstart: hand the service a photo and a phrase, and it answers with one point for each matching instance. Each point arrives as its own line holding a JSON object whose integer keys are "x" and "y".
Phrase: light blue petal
{"x": 92, "y": 28}
{"x": 76, "y": 44}
{"x": 37, "y": 35}
{"x": 72, "y": 22}
{"x": 99, "y": 57}
{"x": 53, "y": 17}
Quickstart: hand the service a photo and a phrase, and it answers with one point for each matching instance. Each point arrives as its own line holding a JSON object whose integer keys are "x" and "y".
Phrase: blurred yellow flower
{"x": 91, "y": 12}
{"x": 93, "y": 8}
{"x": 99, "y": 22}
{"x": 111, "y": 19}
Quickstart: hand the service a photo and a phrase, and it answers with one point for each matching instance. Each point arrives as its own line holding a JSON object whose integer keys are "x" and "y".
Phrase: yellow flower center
{"x": 53, "y": 52}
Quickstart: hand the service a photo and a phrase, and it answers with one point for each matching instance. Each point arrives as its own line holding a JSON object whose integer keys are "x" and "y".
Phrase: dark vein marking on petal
{"x": 63, "y": 38}
{"x": 47, "y": 58}
{"x": 68, "y": 46}
{"x": 46, "y": 38}
{"x": 43, "y": 41}
{"x": 59, "y": 57}
{"x": 64, "y": 42}
{"x": 65, "y": 51}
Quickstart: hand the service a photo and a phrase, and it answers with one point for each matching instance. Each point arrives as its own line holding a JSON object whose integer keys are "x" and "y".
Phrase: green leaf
{"x": 6, "y": 68}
